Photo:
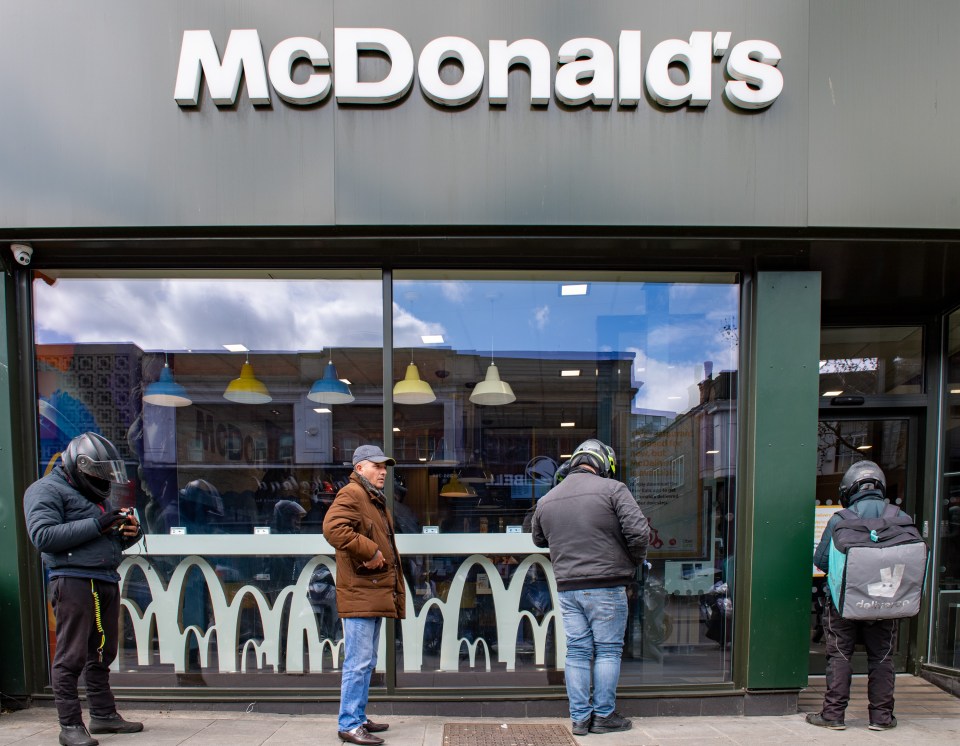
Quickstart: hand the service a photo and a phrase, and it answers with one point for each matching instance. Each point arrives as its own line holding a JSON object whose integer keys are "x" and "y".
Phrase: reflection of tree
{"x": 825, "y": 441}
{"x": 853, "y": 375}
{"x": 729, "y": 330}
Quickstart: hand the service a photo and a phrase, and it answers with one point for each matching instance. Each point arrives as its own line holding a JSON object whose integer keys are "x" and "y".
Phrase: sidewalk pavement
{"x": 38, "y": 725}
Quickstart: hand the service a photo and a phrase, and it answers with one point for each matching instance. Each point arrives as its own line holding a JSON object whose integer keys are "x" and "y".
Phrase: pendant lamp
{"x": 330, "y": 389}
{"x": 412, "y": 389}
{"x": 456, "y": 488}
{"x": 492, "y": 391}
{"x": 247, "y": 389}
{"x": 476, "y": 474}
{"x": 165, "y": 392}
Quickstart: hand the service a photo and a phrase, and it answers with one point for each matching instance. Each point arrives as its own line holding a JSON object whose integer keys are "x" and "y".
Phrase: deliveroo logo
{"x": 890, "y": 578}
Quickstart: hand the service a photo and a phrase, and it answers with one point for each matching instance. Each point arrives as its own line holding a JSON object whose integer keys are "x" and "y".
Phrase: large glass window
{"x": 217, "y": 391}
{"x": 237, "y": 401}
{"x": 513, "y": 373}
{"x": 945, "y": 644}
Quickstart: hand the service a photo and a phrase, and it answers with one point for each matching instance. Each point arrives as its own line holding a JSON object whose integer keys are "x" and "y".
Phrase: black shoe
{"x": 360, "y": 736}
{"x": 581, "y": 728}
{"x": 884, "y": 726}
{"x": 76, "y": 735}
{"x": 612, "y": 723}
{"x": 113, "y": 724}
{"x": 373, "y": 727}
{"x": 815, "y": 718}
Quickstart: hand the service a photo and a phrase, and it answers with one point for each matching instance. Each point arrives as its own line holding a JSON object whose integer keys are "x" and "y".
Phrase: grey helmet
{"x": 92, "y": 464}
{"x": 863, "y": 475}
{"x": 596, "y": 454}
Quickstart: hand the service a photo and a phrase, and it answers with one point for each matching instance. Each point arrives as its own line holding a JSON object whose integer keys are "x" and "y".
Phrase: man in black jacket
{"x": 597, "y": 537}
{"x": 862, "y": 490}
{"x": 82, "y": 544}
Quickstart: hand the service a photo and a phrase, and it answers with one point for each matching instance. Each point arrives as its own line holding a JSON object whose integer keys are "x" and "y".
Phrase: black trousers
{"x": 880, "y": 639}
{"x": 77, "y": 646}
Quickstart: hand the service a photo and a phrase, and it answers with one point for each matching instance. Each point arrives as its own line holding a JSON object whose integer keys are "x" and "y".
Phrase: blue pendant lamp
{"x": 165, "y": 392}
{"x": 330, "y": 389}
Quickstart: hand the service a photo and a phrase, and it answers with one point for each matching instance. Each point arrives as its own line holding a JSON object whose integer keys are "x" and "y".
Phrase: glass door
{"x": 891, "y": 442}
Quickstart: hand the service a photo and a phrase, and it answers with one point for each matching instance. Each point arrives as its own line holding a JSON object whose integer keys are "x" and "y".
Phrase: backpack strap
{"x": 847, "y": 514}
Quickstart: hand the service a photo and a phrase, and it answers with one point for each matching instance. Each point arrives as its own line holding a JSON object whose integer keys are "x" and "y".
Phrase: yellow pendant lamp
{"x": 247, "y": 389}
{"x": 456, "y": 488}
{"x": 412, "y": 389}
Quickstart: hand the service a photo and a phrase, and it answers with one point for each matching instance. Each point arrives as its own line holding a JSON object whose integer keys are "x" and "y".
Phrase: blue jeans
{"x": 361, "y": 638}
{"x": 594, "y": 620}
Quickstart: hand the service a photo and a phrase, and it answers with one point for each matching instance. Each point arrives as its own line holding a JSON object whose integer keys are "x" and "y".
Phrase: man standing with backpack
{"x": 862, "y": 492}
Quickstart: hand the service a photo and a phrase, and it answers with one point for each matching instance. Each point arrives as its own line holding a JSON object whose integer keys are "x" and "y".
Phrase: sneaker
{"x": 113, "y": 724}
{"x": 582, "y": 727}
{"x": 612, "y": 723}
{"x": 884, "y": 726}
{"x": 815, "y": 718}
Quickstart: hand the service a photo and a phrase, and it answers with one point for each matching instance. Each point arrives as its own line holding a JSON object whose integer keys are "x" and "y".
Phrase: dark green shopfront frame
{"x": 780, "y": 350}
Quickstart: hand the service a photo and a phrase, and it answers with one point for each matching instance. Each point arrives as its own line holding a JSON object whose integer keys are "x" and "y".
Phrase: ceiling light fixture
{"x": 569, "y": 373}
{"x": 330, "y": 389}
{"x": 831, "y": 393}
{"x": 456, "y": 488}
{"x": 573, "y": 289}
{"x": 236, "y": 348}
{"x": 491, "y": 391}
{"x": 165, "y": 392}
{"x": 247, "y": 389}
{"x": 432, "y": 339}
{"x": 568, "y": 424}
{"x": 413, "y": 389}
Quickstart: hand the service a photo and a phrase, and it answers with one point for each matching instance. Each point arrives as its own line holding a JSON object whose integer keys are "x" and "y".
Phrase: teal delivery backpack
{"x": 877, "y": 566}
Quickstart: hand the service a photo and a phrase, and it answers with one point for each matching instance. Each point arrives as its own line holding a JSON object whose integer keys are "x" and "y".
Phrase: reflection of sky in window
{"x": 670, "y": 329}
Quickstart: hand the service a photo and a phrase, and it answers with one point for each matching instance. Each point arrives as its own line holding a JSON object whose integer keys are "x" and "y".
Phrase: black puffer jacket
{"x": 62, "y": 524}
{"x": 595, "y": 530}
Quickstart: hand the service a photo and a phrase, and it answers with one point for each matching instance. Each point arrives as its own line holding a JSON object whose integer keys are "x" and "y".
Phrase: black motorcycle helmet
{"x": 200, "y": 502}
{"x": 863, "y": 475}
{"x": 598, "y": 455}
{"x": 92, "y": 464}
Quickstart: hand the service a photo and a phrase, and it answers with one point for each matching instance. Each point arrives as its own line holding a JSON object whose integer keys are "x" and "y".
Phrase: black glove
{"x": 109, "y": 519}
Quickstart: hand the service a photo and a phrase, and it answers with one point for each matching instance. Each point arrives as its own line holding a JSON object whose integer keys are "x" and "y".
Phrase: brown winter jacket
{"x": 357, "y": 525}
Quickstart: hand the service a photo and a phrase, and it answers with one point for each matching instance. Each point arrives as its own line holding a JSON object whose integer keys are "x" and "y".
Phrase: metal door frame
{"x": 913, "y": 506}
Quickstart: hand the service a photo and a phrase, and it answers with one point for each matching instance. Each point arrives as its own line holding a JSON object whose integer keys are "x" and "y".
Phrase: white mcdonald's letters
{"x": 587, "y": 70}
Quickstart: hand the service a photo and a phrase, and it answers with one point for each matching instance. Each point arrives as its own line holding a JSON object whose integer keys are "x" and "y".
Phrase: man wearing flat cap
{"x": 369, "y": 585}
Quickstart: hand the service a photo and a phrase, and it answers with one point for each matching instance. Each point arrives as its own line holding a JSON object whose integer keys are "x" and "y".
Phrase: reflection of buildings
{"x": 292, "y": 448}
{"x": 685, "y": 470}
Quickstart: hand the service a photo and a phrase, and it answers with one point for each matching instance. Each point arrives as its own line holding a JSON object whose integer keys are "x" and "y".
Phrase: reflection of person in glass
{"x": 597, "y": 538}
{"x": 369, "y": 584}
{"x": 201, "y": 507}
{"x": 82, "y": 541}
{"x": 200, "y": 511}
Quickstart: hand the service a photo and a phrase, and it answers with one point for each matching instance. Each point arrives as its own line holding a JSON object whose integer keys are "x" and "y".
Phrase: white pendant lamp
{"x": 412, "y": 389}
{"x": 492, "y": 392}
{"x": 247, "y": 389}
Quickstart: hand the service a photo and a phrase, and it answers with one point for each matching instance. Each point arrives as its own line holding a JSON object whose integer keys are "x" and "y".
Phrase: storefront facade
{"x": 241, "y": 242}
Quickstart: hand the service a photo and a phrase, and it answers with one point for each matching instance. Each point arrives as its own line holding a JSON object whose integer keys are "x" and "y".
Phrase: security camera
{"x": 22, "y": 252}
